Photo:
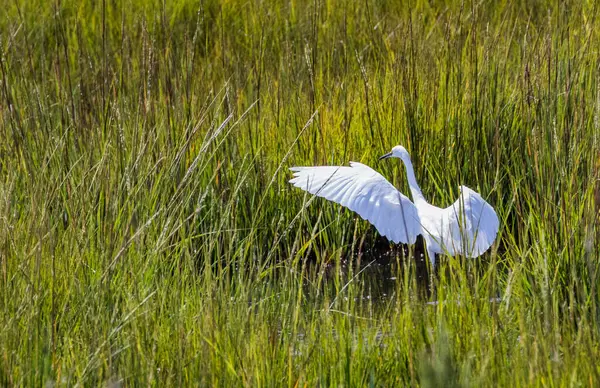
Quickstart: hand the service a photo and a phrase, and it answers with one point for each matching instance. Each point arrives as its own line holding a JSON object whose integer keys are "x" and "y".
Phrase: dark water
{"x": 378, "y": 268}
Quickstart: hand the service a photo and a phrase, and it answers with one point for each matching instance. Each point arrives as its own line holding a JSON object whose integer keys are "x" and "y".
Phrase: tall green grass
{"x": 148, "y": 235}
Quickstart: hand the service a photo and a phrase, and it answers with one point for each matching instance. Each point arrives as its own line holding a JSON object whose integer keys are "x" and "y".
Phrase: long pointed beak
{"x": 389, "y": 154}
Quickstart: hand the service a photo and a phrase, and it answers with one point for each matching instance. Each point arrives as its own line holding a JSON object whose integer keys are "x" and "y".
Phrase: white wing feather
{"x": 473, "y": 231}
{"x": 368, "y": 193}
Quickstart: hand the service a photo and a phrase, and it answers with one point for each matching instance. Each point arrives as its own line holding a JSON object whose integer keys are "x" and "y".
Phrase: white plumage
{"x": 468, "y": 227}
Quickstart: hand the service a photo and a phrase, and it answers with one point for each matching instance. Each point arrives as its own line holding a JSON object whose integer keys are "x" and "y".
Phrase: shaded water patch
{"x": 377, "y": 268}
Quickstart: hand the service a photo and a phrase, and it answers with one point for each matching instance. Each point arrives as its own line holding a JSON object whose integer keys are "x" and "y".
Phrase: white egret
{"x": 467, "y": 227}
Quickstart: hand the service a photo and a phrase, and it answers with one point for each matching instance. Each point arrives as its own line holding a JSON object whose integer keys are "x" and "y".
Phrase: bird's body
{"x": 467, "y": 227}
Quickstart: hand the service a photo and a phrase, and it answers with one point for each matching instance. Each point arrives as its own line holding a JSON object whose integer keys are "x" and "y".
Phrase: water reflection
{"x": 380, "y": 269}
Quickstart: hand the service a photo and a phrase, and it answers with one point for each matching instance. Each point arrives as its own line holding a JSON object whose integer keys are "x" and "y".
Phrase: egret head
{"x": 397, "y": 152}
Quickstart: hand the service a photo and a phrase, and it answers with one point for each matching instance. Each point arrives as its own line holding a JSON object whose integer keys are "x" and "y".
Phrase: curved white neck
{"x": 412, "y": 182}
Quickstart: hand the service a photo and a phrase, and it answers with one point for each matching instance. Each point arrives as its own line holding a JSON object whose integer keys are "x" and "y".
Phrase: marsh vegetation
{"x": 148, "y": 234}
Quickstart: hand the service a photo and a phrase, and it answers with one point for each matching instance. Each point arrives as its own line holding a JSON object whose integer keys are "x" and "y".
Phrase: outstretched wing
{"x": 469, "y": 226}
{"x": 368, "y": 193}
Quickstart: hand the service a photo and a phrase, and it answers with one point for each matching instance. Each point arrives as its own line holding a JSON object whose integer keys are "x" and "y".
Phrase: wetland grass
{"x": 148, "y": 235}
